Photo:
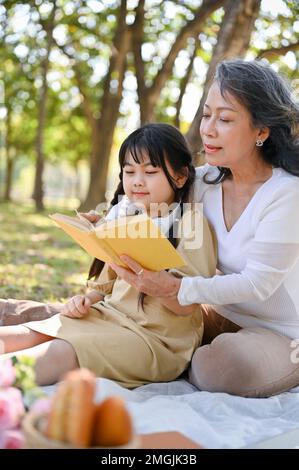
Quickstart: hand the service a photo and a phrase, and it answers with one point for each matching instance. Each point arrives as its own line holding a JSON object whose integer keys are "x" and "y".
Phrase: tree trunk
{"x": 77, "y": 181}
{"x": 9, "y": 157}
{"x": 38, "y": 192}
{"x": 101, "y": 149}
{"x": 233, "y": 41}
{"x": 8, "y": 179}
{"x": 9, "y": 151}
{"x": 103, "y": 130}
{"x": 9, "y": 175}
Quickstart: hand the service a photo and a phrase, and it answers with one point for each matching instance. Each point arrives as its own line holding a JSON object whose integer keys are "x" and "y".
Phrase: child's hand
{"x": 77, "y": 307}
{"x": 91, "y": 216}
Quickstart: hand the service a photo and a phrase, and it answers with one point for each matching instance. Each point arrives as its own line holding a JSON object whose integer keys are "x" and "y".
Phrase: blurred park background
{"x": 76, "y": 77}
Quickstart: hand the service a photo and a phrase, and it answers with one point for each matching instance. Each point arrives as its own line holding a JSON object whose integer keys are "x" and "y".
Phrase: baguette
{"x": 72, "y": 415}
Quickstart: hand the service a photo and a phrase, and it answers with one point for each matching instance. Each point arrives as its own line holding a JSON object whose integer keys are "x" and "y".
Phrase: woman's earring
{"x": 259, "y": 143}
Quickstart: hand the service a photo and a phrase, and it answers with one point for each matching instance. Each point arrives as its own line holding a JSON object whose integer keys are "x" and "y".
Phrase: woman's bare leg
{"x": 17, "y": 337}
{"x": 53, "y": 359}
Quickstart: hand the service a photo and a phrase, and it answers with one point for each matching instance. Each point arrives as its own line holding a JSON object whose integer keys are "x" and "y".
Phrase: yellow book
{"x": 136, "y": 236}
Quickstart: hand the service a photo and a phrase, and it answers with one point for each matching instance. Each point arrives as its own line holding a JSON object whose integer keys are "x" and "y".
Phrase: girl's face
{"x": 227, "y": 133}
{"x": 146, "y": 184}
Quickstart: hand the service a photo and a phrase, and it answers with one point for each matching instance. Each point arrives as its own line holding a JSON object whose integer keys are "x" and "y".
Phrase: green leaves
{"x": 25, "y": 376}
{"x": 25, "y": 379}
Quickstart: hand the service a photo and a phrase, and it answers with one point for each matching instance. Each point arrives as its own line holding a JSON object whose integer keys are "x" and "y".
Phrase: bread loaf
{"x": 112, "y": 424}
{"x": 71, "y": 418}
{"x": 75, "y": 419}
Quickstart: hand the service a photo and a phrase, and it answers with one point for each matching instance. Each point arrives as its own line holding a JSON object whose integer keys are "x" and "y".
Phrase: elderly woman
{"x": 250, "y": 194}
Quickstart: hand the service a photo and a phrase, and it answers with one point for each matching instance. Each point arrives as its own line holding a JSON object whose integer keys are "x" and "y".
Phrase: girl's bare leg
{"x": 17, "y": 337}
{"x": 53, "y": 359}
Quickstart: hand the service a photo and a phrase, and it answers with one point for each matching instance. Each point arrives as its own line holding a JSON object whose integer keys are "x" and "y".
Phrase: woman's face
{"x": 227, "y": 133}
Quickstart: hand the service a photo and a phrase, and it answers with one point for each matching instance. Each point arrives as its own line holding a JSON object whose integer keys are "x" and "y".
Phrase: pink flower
{"x": 11, "y": 408}
{"x": 41, "y": 406}
{"x": 11, "y": 439}
{"x": 7, "y": 374}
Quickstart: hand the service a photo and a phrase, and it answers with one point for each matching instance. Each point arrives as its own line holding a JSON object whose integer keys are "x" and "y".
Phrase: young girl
{"x": 113, "y": 330}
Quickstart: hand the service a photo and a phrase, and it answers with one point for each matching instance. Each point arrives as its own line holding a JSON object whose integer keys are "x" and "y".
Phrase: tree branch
{"x": 137, "y": 40}
{"x": 184, "y": 82}
{"x": 117, "y": 62}
{"x": 191, "y": 29}
{"x": 277, "y": 51}
{"x": 86, "y": 104}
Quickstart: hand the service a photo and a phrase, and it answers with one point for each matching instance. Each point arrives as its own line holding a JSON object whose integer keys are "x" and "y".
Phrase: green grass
{"x": 37, "y": 260}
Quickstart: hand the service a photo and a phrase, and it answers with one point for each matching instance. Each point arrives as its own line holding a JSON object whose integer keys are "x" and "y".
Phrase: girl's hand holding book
{"x": 91, "y": 216}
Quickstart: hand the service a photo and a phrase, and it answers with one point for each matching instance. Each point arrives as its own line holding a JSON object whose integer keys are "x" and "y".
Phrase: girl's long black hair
{"x": 270, "y": 103}
{"x": 160, "y": 142}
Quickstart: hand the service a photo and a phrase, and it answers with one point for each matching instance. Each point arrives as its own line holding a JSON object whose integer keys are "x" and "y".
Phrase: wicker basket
{"x": 33, "y": 424}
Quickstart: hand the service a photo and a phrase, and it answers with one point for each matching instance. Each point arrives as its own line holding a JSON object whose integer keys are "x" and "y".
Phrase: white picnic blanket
{"x": 215, "y": 420}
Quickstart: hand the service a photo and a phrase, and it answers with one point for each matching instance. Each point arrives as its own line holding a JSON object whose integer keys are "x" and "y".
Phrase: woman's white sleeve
{"x": 273, "y": 252}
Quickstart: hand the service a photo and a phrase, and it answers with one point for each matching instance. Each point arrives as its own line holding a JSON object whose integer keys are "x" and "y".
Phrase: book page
{"x": 82, "y": 224}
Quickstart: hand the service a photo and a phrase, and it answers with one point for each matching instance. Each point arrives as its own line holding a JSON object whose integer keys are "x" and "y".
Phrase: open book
{"x": 136, "y": 236}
